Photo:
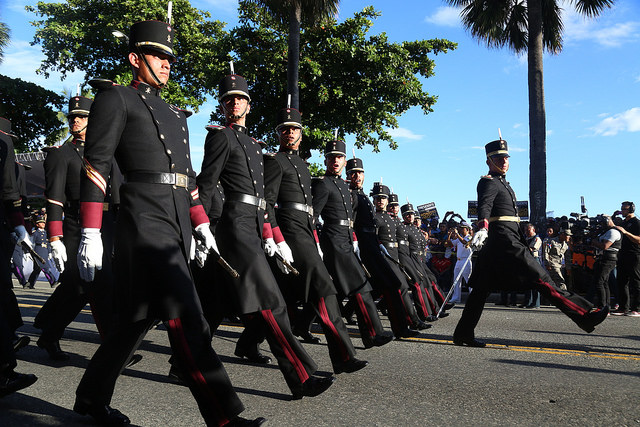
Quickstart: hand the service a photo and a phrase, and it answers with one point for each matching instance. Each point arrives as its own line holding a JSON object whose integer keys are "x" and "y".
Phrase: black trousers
{"x": 294, "y": 362}
{"x": 601, "y": 271}
{"x": 201, "y": 368}
{"x": 71, "y": 296}
{"x": 629, "y": 281}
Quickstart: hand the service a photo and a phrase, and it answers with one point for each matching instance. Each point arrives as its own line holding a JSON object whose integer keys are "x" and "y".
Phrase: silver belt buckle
{"x": 262, "y": 204}
{"x": 182, "y": 180}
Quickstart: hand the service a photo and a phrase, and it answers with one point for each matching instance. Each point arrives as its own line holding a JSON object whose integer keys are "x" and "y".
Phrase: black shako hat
{"x": 355, "y": 165}
{"x": 407, "y": 209}
{"x": 335, "y": 147}
{"x": 151, "y": 35}
{"x": 498, "y": 147}
{"x": 5, "y": 128}
{"x": 289, "y": 117}
{"x": 380, "y": 190}
{"x": 233, "y": 84}
{"x": 393, "y": 199}
{"x": 79, "y": 106}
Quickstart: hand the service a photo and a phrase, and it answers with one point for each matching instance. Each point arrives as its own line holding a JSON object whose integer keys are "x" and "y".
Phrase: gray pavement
{"x": 539, "y": 369}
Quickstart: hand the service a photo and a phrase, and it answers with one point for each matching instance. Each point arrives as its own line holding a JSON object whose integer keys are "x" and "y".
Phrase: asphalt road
{"x": 539, "y": 369}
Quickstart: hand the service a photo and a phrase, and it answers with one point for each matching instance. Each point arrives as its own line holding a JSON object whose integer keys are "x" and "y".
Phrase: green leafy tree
{"x": 72, "y": 42}
{"x": 350, "y": 80}
{"x": 33, "y": 112}
{"x": 5, "y": 37}
{"x": 532, "y": 27}
{"x": 312, "y": 13}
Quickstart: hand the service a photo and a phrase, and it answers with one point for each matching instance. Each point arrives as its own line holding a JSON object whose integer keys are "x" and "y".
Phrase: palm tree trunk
{"x": 293, "y": 61}
{"x": 537, "y": 118}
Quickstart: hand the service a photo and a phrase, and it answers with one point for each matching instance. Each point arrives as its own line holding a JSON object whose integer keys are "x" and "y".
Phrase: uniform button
{"x": 168, "y": 151}
{"x": 183, "y": 129}
{"x": 150, "y": 107}
{"x": 174, "y": 187}
{"x": 187, "y": 170}
{"x": 161, "y": 136}
{"x": 157, "y": 122}
{"x": 187, "y": 156}
{"x": 255, "y": 182}
{"x": 173, "y": 165}
{"x": 184, "y": 140}
{"x": 143, "y": 97}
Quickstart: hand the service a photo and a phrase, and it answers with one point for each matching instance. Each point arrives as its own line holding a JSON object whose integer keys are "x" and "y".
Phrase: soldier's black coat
{"x": 287, "y": 179}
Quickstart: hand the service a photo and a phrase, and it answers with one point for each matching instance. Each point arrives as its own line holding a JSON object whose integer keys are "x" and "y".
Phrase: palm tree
{"x": 531, "y": 26}
{"x": 5, "y": 34}
{"x": 295, "y": 12}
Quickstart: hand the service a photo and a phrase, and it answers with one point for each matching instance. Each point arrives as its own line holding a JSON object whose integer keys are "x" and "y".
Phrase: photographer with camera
{"x": 554, "y": 252}
{"x": 609, "y": 243}
{"x": 629, "y": 263}
{"x": 459, "y": 238}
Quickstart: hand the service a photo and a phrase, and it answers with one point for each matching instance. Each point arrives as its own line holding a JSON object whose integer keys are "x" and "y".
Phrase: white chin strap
{"x": 498, "y": 167}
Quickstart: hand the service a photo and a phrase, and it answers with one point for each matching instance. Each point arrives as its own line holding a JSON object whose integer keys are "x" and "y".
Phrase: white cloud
{"x": 627, "y": 121}
{"x": 517, "y": 149}
{"x": 517, "y": 125}
{"x": 445, "y": 16}
{"x": 549, "y": 132}
{"x": 579, "y": 28}
{"x": 404, "y": 133}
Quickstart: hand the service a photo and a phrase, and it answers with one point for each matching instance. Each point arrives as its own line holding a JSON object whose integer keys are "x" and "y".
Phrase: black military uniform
{"x": 235, "y": 160}
{"x": 158, "y": 210}
{"x": 63, "y": 170}
{"x": 288, "y": 184}
{"x": 332, "y": 201}
{"x": 505, "y": 262}
{"x": 40, "y": 243}
{"x": 418, "y": 283}
{"x": 384, "y": 277}
{"x": 11, "y": 215}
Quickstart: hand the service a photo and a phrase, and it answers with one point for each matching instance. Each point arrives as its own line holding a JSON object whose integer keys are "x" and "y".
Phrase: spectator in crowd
{"x": 554, "y": 252}
{"x": 629, "y": 263}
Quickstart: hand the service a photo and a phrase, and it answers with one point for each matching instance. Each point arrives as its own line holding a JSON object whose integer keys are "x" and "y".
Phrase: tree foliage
{"x": 72, "y": 42}
{"x": 5, "y": 36}
{"x": 33, "y": 112}
{"x": 350, "y": 80}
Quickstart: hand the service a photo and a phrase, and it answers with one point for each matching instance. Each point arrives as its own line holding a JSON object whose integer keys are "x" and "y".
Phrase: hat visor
{"x": 335, "y": 152}
{"x": 83, "y": 113}
{"x": 287, "y": 124}
{"x": 156, "y": 47}
{"x": 234, "y": 92}
{"x": 498, "y": 153}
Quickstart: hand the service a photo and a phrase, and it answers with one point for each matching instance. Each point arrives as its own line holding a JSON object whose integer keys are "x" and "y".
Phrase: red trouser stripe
{"x": 567, "y": 303}
{"x": 406, "y": 309}
{"x": 324, "y": 315}
{"x": 436, "y": 289}
{"x": 96, "y": 318}
{"x": 176, "y": 331}
{"x": 423, "y": 305}
{"x": 431, "y": 303}
{"x": 365, "y": 315}
{"x": 286, "y": 347}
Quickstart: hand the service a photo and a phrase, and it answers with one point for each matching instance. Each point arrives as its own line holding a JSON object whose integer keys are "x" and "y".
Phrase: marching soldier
{"x": 505, "y": 260}
{"x": 422, "y": 298}
{"x": 384, "y": 278}
{"x": 158, "y": 213}
{"x": 288, "y": 184}
{"x": 386, "y": 227}
{"x": 332, "y": 201}
{"x": 10, "y": 319}
{"x": 41, "y": 247}
{"x": 63, "y": 170}
{"x": 235, "y": 160}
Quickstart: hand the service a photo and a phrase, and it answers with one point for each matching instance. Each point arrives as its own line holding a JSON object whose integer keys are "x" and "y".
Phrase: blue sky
{"x": 592, "y": 98}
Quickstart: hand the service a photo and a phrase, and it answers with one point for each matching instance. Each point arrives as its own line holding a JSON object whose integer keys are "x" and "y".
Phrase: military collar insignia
{"x": 288, "y": 151}
{"x": 238, "y": 128}
{"x": 77, "y": 141}
{"x": 145, "y": 88}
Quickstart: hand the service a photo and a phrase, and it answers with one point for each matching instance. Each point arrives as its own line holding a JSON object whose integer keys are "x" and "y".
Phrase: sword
{"x": 366, "y": 272}
{"x": 33, "y": 253}
{"x": 402, "y": 267}
{"x": 223, "y": 263}
{"x": 287, "y": 264}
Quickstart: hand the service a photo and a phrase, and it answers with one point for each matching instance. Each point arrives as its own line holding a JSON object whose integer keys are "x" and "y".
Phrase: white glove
{"x": 59, "y": 254}
{"x": 206, "y": 237}
{"x": 22, "y": 235}
{"x": 479, "y": 238}
{"x": 356, "y": 248}
{"x": 192, "y": 249}
{"x": 384, "y": 250}
{"x": 201, "y": 253}
{"x": 270, "y": 247}
{"x": 285, "y": 252}
{"x": 320, "y": 251}
{"x": 90, "y": 254}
